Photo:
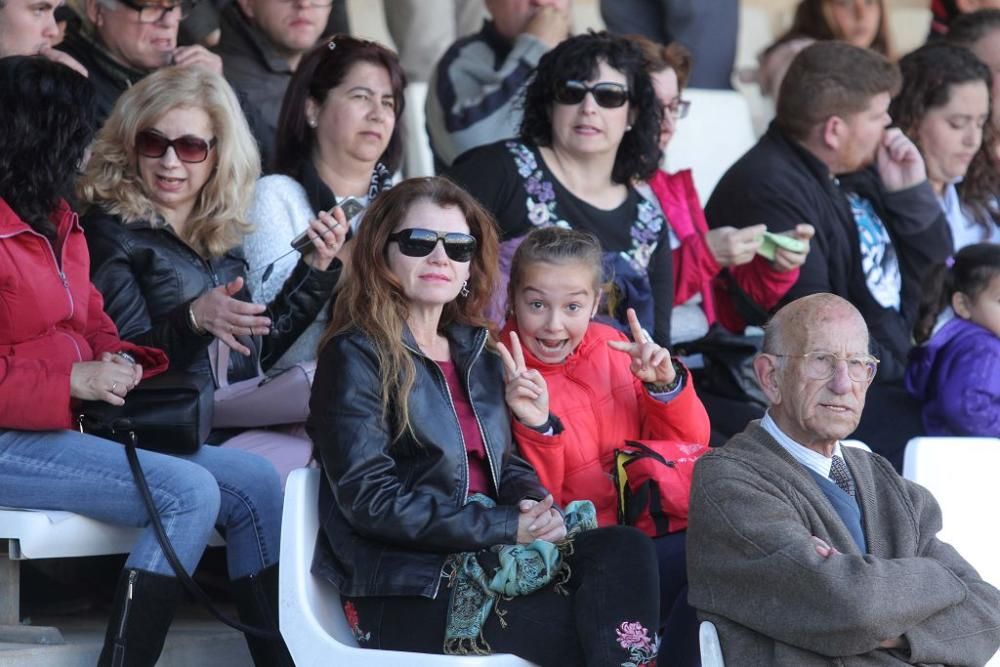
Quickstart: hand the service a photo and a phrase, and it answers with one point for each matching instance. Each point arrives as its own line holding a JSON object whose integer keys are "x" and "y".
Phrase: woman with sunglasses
{"x": 424, "y": 494}
{"x": 58, "y": 347}
{"x": 338, "y": 137}
{"x": 171, "y": 174}
{"x": 590, "y": 129}
{"x": 701, "y": 294}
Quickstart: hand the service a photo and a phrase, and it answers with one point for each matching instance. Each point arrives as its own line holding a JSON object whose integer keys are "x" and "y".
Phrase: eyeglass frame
{"x": 139, "y": 7}
{"x": 592, "y": 90}
{"x": 872, "y": 363}
{"x": 401, "y": 238}
{"x": 171, "y": 144}
{"x": 310, "y": 3}
{"x": 679, "y": 108}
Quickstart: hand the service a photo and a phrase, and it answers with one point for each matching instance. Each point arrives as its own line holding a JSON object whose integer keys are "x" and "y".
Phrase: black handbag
{"x": 172, "y": 414}
{"x": 169, "y": 413}
{"x": 728, "y": 357}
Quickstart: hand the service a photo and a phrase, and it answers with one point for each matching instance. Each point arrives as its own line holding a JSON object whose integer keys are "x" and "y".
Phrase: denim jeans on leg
{"x": 76, "y": 472}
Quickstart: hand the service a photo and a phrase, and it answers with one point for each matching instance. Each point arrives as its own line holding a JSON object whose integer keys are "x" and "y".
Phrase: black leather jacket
{"x": 391, "y": 512}
{"x": 149, "y": 277}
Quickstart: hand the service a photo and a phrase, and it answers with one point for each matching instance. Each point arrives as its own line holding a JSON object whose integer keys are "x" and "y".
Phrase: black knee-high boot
{"x": 144, "y": 607}
{"x": 256, "y": 599}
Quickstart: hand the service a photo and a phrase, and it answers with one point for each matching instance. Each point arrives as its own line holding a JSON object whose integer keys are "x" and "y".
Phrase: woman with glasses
{"x": 701, "y": 296}
{"x": 124, "y": 40}
{"x": 168, "y": 184}
{"x": 339, "y": 137}
{"x": 58, "y": 347}
{"x": 439, "y": 537}
{"x": 590, "y": 128}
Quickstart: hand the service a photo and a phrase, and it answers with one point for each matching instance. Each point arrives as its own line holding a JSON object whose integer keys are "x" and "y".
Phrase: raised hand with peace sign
{"x": 527, "y": 394}
{"x": 650, "y": 362}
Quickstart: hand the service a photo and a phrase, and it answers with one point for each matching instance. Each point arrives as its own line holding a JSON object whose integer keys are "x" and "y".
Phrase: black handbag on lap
{"x": 169, "y": 413}
{"x": 172, "y": 414}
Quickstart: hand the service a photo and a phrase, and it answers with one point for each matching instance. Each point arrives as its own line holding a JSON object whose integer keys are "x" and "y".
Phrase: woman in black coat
{"x": 171, "y": 176}
{"x": 425, "y": 494}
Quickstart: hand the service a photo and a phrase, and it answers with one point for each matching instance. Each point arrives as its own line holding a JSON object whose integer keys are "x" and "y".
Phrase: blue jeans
{"x": 234, "y": 491}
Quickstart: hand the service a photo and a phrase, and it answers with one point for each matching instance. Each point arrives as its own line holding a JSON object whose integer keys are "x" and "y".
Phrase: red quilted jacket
{"x": 695, "y": 269}
{"x": 600, "y": 404}
{"x": 51, "y": 317}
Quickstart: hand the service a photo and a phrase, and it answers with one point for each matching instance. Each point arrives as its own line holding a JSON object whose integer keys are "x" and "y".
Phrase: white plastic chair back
{"x": 418, "y": 160}
{"x": 309, "y": 612}
{"x": 711, "y": 649}
{"x": 855, "y": 443}
{"x": 716, "y": 133}
{"x": 961, "y": 473}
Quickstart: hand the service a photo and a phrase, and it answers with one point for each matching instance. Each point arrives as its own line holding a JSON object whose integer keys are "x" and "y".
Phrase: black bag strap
{"x": 746, "y": 307}
{"x": 168, "y": 551}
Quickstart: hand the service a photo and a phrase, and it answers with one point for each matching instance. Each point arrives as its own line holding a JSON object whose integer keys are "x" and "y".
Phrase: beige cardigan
{"x": 755, "y": 573}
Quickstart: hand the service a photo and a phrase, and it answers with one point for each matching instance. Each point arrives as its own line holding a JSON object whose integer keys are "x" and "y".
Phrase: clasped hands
{"x": 107, "y": 379}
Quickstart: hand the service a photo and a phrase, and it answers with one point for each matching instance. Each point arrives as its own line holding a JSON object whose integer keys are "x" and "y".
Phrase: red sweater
{"x": 51, "y": 317}
{"x": 695, "y": 269}
{"x": 600, "y": 404}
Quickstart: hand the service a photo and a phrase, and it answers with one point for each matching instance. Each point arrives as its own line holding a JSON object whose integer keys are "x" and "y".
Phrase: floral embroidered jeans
{"x": 609, "y": 617}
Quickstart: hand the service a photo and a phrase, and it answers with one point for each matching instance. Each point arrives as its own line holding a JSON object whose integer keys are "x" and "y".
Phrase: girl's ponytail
{"x": 936, "y": 296}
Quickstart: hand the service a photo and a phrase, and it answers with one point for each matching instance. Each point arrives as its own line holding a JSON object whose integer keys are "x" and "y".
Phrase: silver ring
{"x": 114, "y": 387}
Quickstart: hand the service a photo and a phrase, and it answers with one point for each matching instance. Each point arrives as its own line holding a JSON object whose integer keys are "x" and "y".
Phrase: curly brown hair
{"x": 929, "y": 74}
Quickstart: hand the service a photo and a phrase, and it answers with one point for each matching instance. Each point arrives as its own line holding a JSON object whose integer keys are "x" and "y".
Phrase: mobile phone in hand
{"x": 350, "y": 206}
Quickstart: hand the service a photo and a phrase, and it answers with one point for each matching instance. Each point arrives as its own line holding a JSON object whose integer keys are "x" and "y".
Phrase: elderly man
{"x": 804, "y": 552}
{"x": 127, "y": 39}
{"x": 262, "y": 43}
{"x": 473, "y": 93}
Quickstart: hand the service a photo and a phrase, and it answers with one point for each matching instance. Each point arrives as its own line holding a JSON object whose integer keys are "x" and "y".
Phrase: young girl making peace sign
{"x": 579, "y": 389}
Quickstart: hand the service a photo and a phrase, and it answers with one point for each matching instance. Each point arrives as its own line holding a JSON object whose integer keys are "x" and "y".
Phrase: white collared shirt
{"x": 810, "y": 458}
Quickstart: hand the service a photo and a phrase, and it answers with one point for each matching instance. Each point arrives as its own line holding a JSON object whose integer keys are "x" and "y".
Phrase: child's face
{"x": 553, "y": 306}
{"x": 984, "y": 309}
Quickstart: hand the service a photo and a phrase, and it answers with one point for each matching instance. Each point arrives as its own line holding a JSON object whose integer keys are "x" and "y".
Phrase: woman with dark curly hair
{"x": 590, "y": 129}
{"x": 58, "y": 347}
{"x": 438, "y": 535}
{"x": 944, "y": 107}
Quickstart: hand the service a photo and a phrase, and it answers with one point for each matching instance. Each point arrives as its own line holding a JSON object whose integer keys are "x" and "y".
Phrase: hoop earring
{"x": 465, "y": 288}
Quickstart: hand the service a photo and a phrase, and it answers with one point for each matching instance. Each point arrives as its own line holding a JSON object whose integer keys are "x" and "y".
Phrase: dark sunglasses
{"x": 416, "y": 242}
{"x": 187, "y": 148}
{"x": 606, "y": 94}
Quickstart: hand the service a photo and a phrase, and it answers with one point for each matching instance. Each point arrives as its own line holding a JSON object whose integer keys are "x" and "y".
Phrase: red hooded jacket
{"x": 601, "y": 405}
{"x": 51, "y": 317}
{"x": 695, "y": 269}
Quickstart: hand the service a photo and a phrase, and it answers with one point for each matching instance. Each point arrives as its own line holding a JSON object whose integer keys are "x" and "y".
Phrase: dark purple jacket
{"x": 956, "y": 374}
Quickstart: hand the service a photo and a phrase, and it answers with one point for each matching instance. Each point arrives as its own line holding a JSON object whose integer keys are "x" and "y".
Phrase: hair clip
{"x": 332, "y": 44}
{"x": 950, "y": 262}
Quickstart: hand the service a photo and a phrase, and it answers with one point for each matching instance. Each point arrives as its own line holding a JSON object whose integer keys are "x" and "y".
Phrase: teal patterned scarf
{"x": 479, "y": 580}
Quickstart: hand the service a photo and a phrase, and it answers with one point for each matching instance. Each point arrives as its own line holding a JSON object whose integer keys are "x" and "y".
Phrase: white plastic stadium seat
{"x": 32, "y": 534}
{"x": 961, "y": 473}
{"x": 310, "y": 615}
{"x": 711, "y": 649}
{"x": 856, "y": 443}
{"x": 716, "y": 132}
{"x": 418, "y": 160}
